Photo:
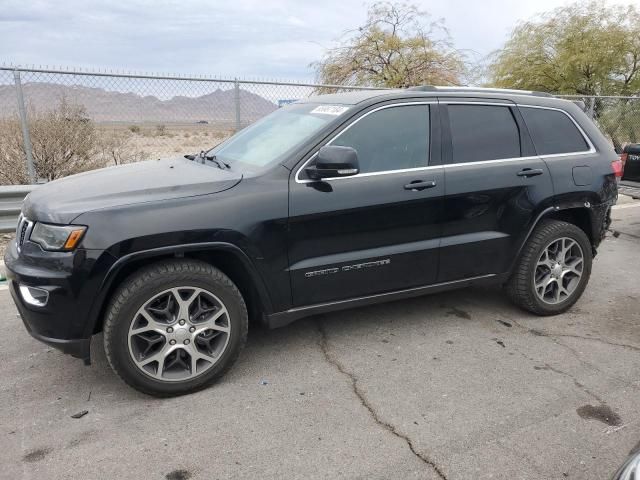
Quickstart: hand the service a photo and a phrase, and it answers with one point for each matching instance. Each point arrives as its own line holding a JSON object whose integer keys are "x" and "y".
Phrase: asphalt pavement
{"x": 459, "y": 385}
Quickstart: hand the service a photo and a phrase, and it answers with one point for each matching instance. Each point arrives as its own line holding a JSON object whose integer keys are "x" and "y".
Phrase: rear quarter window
{"x": 553, "y": 132}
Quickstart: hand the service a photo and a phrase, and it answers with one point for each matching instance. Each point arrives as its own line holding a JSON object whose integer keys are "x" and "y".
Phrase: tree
{"x": 586, "y": 48}
{"x": 397, "y": 47}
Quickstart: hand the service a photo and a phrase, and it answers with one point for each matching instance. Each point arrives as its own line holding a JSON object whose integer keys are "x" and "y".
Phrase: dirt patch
{"x": 36, "y": 455}
{"x": 458, "y": 312}
{"x": 178, "y": 475}
{"x": 603, "y": 413}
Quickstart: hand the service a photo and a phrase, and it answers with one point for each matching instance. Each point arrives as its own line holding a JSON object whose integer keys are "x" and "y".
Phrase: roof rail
{"x": 433, "y": 88}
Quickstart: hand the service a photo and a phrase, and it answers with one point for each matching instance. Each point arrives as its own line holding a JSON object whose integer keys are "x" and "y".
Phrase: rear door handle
{"x": 418, "y": 185}
{"x": 530, "y": 172}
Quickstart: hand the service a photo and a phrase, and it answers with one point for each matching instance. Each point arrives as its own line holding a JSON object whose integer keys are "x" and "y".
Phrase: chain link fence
{"x": 617, "y": 117}
{"x": 75, "y": 120}
{"x": 58, "y": 122}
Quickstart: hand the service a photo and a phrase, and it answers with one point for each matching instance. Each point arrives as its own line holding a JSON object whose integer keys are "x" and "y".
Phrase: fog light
{"x": 37, "y": 297}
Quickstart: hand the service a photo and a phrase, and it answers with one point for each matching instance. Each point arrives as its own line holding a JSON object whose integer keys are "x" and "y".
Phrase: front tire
{"x": 174, "y": 327}
{"x": 553, "y": 269}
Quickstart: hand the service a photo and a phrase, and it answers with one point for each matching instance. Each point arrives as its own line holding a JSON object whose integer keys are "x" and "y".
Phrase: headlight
{"x": 57, "y": 237}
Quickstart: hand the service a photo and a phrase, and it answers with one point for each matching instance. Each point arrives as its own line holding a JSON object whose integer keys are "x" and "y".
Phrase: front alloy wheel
{"x": 179, "y": 334}
{"x": 174, "y": 327}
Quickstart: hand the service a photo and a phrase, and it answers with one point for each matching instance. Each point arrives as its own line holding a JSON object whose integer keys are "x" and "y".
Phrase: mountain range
{"x": 115, "y": 106}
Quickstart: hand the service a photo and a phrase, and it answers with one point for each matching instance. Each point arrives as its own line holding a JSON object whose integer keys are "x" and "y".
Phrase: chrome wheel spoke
{"x": 151, "y": 324}
{"x": 184, "y": 298}
{"x": 574, "y": 266}
{"x": 158, "y": 358}
{"x": 213, "y": 323}
{"x": 545, "y": 260}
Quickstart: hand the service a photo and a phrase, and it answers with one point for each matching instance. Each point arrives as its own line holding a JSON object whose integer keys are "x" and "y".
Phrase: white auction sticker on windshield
{"x": 330, "y": 109}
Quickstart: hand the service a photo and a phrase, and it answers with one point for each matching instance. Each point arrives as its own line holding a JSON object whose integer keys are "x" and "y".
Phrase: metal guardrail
{"x": 11, "y": 198}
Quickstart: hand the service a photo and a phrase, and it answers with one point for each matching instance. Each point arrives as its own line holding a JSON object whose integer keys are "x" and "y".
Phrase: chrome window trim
{"x": 591, "y": 150}
{"x": 368, "y": 174}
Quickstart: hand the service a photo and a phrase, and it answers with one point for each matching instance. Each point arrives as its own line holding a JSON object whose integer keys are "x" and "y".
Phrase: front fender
{"x": 107, "y": 286}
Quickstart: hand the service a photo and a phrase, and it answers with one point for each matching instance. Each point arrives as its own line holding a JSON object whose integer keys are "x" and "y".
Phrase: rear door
{"x": 372, "y": 232}
{"x": 494, "y": 186}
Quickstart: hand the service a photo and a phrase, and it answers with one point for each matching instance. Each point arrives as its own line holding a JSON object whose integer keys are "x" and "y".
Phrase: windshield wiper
{"x": 218, "y": 162}
{"x": 201, "y": 157}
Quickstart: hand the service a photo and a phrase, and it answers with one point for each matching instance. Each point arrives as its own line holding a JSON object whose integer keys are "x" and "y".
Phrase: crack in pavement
{"x": 542, "y": 333}
{"x": 563, "y": 373}
{"x": 595, "y": 339}
{"x": 576, "y": 354}
{"x": 331, "y": 359}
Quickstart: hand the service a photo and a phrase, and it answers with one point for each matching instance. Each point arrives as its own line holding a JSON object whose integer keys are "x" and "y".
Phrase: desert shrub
{"x": 134, "y": 128}
{"x": 64, "y": 142}
{"x": 115, "y": 147}
{"x": 62, "y": 139}
{"x": 161, "y": 130}
{"x": 13, "y": 168}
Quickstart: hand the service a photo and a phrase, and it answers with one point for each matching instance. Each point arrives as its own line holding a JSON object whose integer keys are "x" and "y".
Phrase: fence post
{"x": 236, "y": 98}
{"x": 592, "y": 106}
{"x": 26, "y": 138}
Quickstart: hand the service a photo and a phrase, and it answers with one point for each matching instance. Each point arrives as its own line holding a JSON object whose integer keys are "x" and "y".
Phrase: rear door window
{"x": 553, "y": 132}
{"x": 483, "y": 132}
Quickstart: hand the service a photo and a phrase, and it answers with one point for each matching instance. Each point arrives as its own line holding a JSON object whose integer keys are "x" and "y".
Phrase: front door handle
{"x": 418, "y": 185}
{"x": 530, "y": 172}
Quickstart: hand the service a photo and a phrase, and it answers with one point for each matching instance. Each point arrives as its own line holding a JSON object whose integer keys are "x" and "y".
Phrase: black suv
{"x": 328, "y": 203}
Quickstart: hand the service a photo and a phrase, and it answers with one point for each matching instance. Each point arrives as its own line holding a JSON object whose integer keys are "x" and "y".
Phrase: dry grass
{"x": 172, "y": 140}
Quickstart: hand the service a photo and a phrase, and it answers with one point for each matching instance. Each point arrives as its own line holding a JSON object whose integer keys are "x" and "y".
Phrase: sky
{"x": 254, "y": 39}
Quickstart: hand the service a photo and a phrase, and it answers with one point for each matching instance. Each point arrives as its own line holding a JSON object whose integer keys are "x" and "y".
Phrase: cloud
{"x": 274, "y": 39}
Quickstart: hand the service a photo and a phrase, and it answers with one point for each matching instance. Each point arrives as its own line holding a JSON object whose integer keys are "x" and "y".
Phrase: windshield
{"x": 267, "y": 140}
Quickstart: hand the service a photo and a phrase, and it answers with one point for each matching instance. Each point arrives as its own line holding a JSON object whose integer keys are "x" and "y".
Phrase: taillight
{"x": 618, "y": 168}
{"x": 623, "y": 159}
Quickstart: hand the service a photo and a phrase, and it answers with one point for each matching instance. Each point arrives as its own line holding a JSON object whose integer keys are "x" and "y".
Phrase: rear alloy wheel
{"x": 175, "y": 327}
{"x": 558, "y": 270}
{"x": 553, "y": 269}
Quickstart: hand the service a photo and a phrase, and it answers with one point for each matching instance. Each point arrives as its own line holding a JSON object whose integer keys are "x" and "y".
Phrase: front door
{"x": 372, "y": 232}
{"x": 494, "y": 188}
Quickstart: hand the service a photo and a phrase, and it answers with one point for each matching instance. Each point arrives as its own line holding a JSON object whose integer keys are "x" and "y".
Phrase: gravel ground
{"x": 457, "y": 385}
{"x": 5, "y": 238}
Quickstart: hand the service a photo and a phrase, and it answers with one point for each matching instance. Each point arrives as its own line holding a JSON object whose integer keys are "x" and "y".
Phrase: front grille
{"x": 22, "y": 231}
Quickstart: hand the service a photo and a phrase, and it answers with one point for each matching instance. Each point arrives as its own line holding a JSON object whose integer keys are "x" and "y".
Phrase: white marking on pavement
{"x": 625, "y": 205}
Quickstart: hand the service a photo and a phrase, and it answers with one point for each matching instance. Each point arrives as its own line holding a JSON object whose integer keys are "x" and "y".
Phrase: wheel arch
{"x": 228, "y": 258}
{"x": 578, "y": 214}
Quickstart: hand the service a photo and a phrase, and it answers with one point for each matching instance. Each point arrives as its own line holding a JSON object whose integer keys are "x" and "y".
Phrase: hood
{"x": 63, "y": 200}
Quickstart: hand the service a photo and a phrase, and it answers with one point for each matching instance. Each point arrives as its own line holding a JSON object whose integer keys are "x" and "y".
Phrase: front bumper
{"x": 72, "y": 280}
{"x": 79, "y": 348}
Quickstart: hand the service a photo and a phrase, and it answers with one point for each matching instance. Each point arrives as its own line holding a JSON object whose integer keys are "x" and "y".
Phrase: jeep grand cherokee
{"x": 331, "y": 202}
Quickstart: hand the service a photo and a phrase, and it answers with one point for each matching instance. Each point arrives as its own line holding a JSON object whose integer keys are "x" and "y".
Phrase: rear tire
{"x": 174, "y": 327}
{"x": 553, "y": 269}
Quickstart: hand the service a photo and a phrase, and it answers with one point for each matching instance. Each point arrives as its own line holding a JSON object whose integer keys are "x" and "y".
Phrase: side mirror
{"x": 334, "y": 161}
